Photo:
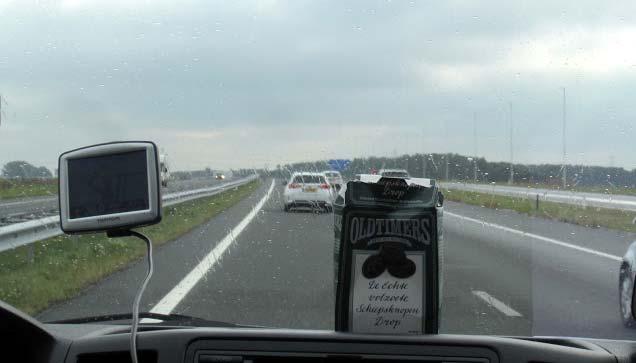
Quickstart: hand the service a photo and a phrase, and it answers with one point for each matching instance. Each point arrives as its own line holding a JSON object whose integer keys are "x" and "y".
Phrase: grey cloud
{"x": 108, "y": 71}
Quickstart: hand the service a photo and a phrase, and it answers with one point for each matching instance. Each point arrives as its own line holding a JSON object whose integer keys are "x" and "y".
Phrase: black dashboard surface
{"x": 26, "y": 340}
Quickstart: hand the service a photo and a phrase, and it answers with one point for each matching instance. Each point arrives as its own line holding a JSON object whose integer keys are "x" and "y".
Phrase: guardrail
{"x": 581, "y": 199}
{"x": 20, "y": 234}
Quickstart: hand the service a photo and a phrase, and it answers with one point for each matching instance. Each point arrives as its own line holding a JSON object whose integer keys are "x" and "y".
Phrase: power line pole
{"x": 3, "y": 102}
{"x": 512, "y": 172}
{"x": 423, "y": 165}
{"x": 447, "y": 157}
{"x": 423, "y": 155}
{"x": 475, "y": 147}
{"x": 406, "y": 138}
{"x": 564, "y": 166}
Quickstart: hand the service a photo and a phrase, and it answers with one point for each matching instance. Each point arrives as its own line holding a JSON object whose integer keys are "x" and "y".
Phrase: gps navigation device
{"x": 109, "y": 186}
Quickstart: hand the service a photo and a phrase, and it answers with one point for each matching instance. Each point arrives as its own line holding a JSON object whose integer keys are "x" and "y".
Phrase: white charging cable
{"x": 135, "y": 308}
{"x": 135, "y": 312}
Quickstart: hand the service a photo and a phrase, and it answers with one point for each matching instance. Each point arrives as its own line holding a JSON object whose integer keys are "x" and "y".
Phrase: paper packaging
{"x": 388, "y": 253}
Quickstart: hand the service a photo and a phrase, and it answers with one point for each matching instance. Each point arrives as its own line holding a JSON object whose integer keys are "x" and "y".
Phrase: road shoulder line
{"x": 536, "y": 236}
{"x": 169, "y": 302}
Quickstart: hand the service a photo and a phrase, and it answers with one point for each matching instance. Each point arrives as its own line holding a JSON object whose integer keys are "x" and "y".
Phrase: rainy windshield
{"x": 514, "y": 121}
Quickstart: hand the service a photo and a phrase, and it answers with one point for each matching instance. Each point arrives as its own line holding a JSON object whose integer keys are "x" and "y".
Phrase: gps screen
{"x": 109, "y": 184}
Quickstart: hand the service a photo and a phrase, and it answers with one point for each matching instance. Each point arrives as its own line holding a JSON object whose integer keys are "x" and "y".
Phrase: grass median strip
{"x": 35, "y": 276}
{"x": 585, "y": 216}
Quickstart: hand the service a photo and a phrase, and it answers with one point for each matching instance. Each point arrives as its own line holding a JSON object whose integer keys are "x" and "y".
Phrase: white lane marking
{"x": 503, "y": 308}
{"x": 536, "y": 236}
{"x": 174, "y": 297}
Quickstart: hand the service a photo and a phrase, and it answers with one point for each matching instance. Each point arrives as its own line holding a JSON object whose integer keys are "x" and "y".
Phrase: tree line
{"x": 437, "y": 166}
{"x": 462, "y": 168}
{"x": 20, "y": 169}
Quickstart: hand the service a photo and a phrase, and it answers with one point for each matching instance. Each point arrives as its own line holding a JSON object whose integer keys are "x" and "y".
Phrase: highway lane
{"x": 557, "y": 290}
{"x": 611, "y": 201}
{"x": 279, "y": 272}
{"x": 172, "y": 261}
{"x": 17, "y": 210}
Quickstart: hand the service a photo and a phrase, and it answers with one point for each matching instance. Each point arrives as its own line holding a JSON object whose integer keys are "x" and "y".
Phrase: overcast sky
{"x": 248, "y": 84}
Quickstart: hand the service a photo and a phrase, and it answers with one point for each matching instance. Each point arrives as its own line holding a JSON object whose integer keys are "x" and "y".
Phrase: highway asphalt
{"x": 19, "y": 209}
{"x": 505, "y": 274}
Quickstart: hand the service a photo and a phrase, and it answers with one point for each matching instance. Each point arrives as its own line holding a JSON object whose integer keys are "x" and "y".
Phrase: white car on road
{"x": 334, "y": 179}
{"x": 307, "y": 190}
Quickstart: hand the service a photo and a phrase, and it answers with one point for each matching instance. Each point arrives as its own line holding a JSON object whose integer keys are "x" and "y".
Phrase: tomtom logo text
{"x": 109, "y": 219}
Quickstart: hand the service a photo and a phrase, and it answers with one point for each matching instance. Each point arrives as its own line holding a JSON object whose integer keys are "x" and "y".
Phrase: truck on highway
{"x": 164, "y": 169}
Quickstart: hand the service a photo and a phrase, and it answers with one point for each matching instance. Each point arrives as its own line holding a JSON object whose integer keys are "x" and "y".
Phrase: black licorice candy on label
{"x": 392, "y": 254}
{"x": 403, "y": 270}
{"x": 373, "y": 267}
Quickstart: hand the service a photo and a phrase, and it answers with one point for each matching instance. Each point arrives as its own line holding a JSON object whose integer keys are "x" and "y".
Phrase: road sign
{"x": 339, "y": 164}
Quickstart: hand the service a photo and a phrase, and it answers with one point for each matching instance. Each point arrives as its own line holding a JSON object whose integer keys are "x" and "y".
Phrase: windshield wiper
{"x": 173, "y": 319}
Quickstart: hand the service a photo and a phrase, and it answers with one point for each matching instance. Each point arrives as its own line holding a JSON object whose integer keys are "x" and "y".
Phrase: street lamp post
{"x": 475, "y": 147}
{"x": 564, "y": 166}
{"x": 511, "y": 180}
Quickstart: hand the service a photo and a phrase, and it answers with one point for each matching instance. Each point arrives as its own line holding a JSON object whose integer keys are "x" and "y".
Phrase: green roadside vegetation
{"x": 10, "y": 188}
{"x": 35, "y": 276}
{"x": 585, "y": 216}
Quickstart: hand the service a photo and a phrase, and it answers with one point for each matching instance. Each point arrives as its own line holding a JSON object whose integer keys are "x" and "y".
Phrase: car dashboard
{"x": 26, "y": 340}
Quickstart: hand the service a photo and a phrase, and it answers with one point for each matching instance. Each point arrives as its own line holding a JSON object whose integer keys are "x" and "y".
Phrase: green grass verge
{"x": 589, "y": 217}
{"x": 10, "y": 188}
{"x": 35, "y": 276}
